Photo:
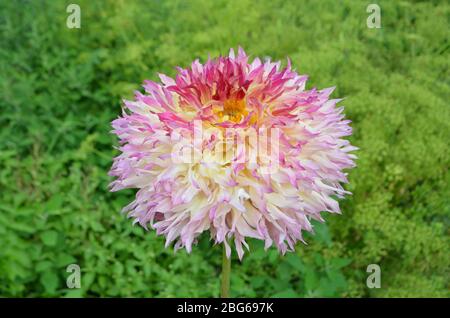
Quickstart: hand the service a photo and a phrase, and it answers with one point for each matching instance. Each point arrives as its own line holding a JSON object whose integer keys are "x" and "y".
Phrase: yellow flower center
{"x": 234, "y": 110}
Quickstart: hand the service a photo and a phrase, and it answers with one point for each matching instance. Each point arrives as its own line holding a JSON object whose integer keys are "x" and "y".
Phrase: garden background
{"x": 60, "y": 88}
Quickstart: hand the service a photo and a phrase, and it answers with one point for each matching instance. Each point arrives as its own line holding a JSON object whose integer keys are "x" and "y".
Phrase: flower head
{"x": 237, "y": 148}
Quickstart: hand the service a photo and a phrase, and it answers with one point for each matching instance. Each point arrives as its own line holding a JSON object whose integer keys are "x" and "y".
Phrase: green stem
{"x": 226, "y": 269}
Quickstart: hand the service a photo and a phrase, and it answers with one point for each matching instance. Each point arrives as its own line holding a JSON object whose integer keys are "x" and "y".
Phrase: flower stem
{"x": 226, "y": 269}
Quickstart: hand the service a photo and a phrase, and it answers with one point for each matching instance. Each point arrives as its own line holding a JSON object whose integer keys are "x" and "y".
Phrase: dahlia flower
{"x": 237, "y": 148}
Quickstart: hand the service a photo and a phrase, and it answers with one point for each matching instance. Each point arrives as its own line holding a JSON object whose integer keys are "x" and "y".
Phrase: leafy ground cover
{"x": 60, "y": 88}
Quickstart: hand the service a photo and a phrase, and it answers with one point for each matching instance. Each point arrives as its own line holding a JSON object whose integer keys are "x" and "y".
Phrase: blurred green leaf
{"x": 49, "y": 238}
{"x": 49, "y": 281}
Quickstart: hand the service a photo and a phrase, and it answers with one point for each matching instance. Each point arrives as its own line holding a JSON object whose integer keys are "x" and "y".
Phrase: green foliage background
{"x": 60, "y": 88}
